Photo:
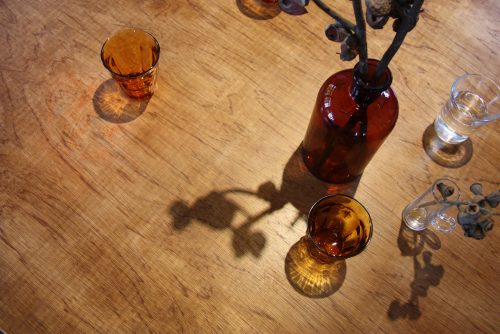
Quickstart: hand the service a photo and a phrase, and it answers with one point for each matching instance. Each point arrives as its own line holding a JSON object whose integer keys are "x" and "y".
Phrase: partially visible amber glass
{"x": 338, "y": 227}
{"x": 131, "y": 55}
{"x": 259, "y": 9}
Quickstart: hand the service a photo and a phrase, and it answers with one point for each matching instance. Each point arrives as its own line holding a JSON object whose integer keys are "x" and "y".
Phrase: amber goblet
{"x": 338, "y": 227}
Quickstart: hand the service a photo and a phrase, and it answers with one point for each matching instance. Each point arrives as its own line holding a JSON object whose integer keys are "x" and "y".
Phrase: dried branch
{"x": 353, "y": 36}
{"x": 407, "y": 22}
{"x": 360, "y": 31}
{"x": 336, "y": 16}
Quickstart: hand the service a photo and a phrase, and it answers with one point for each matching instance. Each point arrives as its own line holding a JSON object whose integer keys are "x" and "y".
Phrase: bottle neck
{"x": 365, "y": 91}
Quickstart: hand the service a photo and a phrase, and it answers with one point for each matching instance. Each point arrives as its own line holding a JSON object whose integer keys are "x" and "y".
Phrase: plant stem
{"x": 448, "y": 203}
{"x": 407, "y": 22}
{"x": 344, "y": 22}
{"x": 360, "y": 32}
{"x": 423, "y": 205}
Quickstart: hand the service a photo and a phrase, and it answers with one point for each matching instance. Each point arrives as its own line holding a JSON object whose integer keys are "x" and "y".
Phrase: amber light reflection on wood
{"x": 176, "y": 213}
{"x": 311, "y": 277}
{"x": 259, "y": 9}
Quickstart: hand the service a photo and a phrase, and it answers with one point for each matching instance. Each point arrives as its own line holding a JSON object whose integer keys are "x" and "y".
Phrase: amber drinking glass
{"x": 131, "y": 56}
{"x": 338, "y": 227}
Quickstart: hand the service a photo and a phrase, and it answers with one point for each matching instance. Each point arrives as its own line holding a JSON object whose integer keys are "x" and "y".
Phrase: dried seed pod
{"x": 352, "y": 41}
{"x": 444, "y": 190}
{"x": 335, "y": 32}
{"x": 396, "y": 24}
{"x": 376, "y": 22}
{"x": 398, "y": 12}
{"x": 476, "y": 188}
{"x": 379, "y": 7}
{"x": 348, "y": 48}
{"x": 493, "y": 199}
{"x": 472, "y": 209}
{"x": 294, "y": 7}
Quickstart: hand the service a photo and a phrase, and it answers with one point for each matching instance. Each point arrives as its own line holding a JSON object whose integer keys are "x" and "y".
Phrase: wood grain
{"x": 177, "y": 215}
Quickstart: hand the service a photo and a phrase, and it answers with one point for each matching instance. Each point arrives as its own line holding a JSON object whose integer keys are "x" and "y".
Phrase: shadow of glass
{"x": 310, "y": 277}
{"x": 412, "y": 243}
{"x": 112, "y": 105}
{"x": 426, "y": 274}
{"x": 444, "y": 154}
{"x": 259, "y": 9}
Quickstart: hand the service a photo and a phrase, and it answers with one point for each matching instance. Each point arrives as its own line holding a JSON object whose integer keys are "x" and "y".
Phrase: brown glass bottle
{"x": 350, "y": 120}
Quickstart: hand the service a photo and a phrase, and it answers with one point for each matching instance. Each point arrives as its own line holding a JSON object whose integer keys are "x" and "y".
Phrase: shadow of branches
{"x": 218, "y": 210}
{"x": 426, "y": 274}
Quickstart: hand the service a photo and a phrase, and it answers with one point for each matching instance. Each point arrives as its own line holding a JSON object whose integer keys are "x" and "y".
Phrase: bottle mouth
{"x": 380, "y": 85}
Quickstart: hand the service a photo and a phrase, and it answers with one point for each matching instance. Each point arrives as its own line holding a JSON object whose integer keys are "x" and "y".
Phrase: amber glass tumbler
{"x": 338, "y": 227}
{"x": 131, "y": 56}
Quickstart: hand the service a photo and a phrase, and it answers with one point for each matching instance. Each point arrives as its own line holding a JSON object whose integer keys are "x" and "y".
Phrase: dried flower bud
{"x": 294, "y": 7}
{"x": 335, "y": 32}
{"x": 444, "y": 190}
{"x": 472, "y": 209}
{"x": 347, "y": 51}
{"x": 396, "y": 24}
{"x": 376, "y": 22}
{"x": 486, "y": 225}
{"x": 475, "y": 216}
{"x": 476, "y": 188}
{"x": 493, "y": 199}
{"x": 399, "y": 12}
{"x": 352, "y": 41}
{"x": 379, "y": 7}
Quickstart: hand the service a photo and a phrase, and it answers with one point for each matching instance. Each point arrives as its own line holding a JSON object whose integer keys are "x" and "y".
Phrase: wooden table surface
{"x": 185, "y": 213}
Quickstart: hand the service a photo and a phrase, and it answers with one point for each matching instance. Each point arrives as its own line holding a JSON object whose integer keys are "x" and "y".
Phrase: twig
{"x": 344, "y": 22}
{"x": 360, "y": 31}
{"x": 407, "y": 22}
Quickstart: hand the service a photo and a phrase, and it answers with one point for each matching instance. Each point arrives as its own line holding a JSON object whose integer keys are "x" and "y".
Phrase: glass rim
{"x": 356, "y": 201}
{"x": 470, "y": 75}
{"x": 151, "y": 68}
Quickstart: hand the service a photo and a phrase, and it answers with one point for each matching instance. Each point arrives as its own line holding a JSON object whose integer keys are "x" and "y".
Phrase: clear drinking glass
{"x": 474, "y": 101}
{"x": 431, "y": 209}
{"x": 131, "y": 56}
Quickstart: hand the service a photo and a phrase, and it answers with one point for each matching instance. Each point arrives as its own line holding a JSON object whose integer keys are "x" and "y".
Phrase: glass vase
{"x": 351, "y": 119}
